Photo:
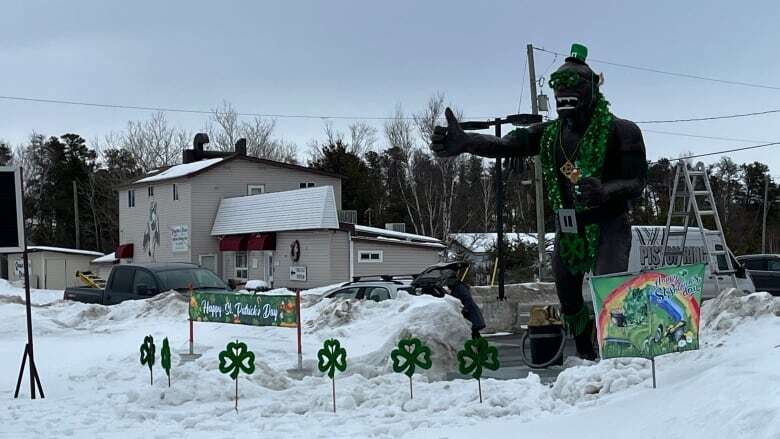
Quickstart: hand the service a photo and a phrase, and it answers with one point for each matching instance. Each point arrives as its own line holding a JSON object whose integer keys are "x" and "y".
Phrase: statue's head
{"x": 576, "y": 86}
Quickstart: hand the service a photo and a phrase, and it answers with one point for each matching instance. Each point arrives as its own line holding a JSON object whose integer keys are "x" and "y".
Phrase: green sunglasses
{"x": 566, "y": 78}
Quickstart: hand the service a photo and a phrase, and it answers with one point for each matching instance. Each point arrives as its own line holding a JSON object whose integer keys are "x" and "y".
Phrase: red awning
{"x": 233, "y": 243}
{"x": 263, "y": 241}
{"x": 124, "y": 251}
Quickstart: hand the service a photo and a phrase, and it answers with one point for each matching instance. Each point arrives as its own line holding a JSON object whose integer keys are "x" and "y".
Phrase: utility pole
{"x": 76, "y": 212}
{"x": 500, "y": 217}
{"x": 541, "y": 244}
{"x": 763, "y": 227}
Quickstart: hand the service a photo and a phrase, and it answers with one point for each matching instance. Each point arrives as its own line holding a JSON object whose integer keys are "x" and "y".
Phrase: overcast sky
{"x": 362, "y": 58}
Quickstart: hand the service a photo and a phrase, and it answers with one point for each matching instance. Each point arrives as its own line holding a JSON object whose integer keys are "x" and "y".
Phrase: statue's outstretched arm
{"x": 452, "y": 140}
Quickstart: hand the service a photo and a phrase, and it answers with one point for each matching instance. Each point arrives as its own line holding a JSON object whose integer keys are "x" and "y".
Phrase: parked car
{"x": 376, "y": 288}
{"x": 764, "y": 270}
{"x": 135, "y": 281}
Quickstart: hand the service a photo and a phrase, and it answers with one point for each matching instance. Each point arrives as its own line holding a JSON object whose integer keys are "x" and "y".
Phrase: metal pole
{"x": 76, "y": 212}
{"x": 298, "y": 324}
{"x": 537, "y": 167}
{"x": 500, "y": 218}
{"x": 763, "y": 227}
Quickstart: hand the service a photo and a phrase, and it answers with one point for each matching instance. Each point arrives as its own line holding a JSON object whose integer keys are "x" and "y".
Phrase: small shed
{"x": 51, "y": 268}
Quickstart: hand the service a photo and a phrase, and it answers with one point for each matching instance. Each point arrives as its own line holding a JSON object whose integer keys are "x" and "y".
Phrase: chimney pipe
{"x": 241, "y": 146}
{"x": 200, "y": 140}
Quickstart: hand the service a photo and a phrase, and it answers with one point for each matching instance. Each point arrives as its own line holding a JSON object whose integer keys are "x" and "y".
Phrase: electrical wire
{"x": 722, "y": 152}
{"x": 699, "y": 119}
{"x": 522, "y": 88}
{"x": 697, "y": 136}
{"x": 664, "y": 72}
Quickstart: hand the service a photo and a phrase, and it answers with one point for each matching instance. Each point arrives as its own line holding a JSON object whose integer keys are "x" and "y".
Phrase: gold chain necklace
{"x": 568, "y": 169}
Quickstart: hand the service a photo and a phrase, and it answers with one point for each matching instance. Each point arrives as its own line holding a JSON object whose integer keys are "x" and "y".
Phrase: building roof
{"x": 74, "y": 251}
{"x": 300, "y": 209}
{"x": 375, "y": 231}
{"x": 194, "y": 168}
{"x": 180, "y": 170}
{"x": 107, "y": 259}
{"x": 484, "y": 242}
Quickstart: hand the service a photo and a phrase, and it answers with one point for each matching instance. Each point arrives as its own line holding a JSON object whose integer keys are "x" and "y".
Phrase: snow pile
{"x": 371, "y": 330}
{"x": 87, "y": 356}
{"x": 12, "y": 292}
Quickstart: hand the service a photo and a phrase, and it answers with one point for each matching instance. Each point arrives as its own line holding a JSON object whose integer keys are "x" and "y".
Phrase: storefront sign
{"x": 298, "y": 273}
{"x": 180, "y": 238}
{"x": 244, "y": 309}
{"x": 648, "y": 314}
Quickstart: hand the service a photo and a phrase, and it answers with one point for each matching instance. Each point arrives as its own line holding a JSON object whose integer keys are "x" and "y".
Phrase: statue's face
{"x": 574, "y": 88}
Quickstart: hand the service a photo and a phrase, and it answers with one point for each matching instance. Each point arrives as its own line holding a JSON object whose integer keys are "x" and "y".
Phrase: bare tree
{"x": 225, "y": 128}
{"x": 362, "y": 138}
{"x": 154, "y": 142}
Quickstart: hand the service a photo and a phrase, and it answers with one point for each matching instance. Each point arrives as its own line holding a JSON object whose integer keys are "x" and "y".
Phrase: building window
{"x": 370, "y": 256}
{"x": 175, "y": 192}
{"x": 306, "y": 184}
{"x": 242, "y": 268}
{"x": 255, "y": 189}
{"x": 151, "y": 191}
{"x": 131, "y": 198}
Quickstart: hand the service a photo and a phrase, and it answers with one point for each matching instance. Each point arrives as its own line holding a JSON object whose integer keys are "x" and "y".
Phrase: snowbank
{"x": 88, "y": 360}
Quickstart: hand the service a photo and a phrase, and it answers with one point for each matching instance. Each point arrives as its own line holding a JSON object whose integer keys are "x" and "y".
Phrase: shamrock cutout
{"x": 476, "y": 354}
{"x": 410, "y": 353}
{"x": 147, "y": 355}
{"x": 331, "y": 357}
{"x": 238, "y": 354}
{"x": 165, "y": 359}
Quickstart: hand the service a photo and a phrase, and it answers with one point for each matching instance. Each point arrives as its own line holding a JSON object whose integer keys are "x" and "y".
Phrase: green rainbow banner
{"x": 648, "y": 314}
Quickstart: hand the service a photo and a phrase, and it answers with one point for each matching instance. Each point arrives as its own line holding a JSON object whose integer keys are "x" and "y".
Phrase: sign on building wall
{"x": 244, "y": 309}
{"x": 180, "y": 238}
{"x": 298, "y": 273}
{"x": 11, "y": 223}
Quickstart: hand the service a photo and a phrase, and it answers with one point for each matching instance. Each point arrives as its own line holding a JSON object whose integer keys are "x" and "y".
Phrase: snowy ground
{"x": 88, "y": 361}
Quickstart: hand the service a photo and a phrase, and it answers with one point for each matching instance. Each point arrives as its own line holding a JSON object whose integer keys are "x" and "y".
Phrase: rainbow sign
{"x": 648, "y": 314}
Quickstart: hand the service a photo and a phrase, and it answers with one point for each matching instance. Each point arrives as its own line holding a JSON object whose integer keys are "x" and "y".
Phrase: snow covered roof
{"x": 43, "y": 248}
{"x": 181, "y": 170}
{"x": 300, "y": 209}
{"x": 107, "y": 259}
{"x": 392, "y": 234}
{"x": 484, "y": 242}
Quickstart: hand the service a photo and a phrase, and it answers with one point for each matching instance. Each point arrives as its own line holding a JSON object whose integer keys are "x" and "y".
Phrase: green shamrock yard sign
{"x": 165, "y": 359}
{"x": 234, "y": 359}
{"x": 330, "y": 358}
{"x": 410, "y": 354}
{"x": 147, "y": 355}
{"x": 476, "y": 355}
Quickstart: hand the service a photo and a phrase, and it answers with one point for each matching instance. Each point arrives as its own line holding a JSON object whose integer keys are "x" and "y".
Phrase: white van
{"x": 647, "y": 244}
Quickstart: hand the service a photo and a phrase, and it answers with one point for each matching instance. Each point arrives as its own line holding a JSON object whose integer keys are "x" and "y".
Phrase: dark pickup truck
{"x": 142, "y": 281}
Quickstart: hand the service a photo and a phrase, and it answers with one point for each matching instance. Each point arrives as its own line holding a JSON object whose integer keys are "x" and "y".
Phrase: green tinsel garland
{"x": 578, "y": 253}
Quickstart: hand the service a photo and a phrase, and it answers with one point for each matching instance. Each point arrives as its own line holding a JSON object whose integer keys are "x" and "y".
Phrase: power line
{"x": 722, "y": 152}
{"x": 699, "y": 119}
{"x": 664, "y": 72}
{"x": 729, "y": 139}
{"x": 191, "y": 111}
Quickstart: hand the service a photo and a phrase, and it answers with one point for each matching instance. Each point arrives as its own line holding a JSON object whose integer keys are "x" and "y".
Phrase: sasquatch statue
{"x": 593, "y": 165}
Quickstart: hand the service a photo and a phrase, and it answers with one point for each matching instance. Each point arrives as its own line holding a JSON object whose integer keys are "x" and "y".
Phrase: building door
{"x": 209, "y": 262}
{"x": 55, "y": 277}
{"x": 269, "y": 268}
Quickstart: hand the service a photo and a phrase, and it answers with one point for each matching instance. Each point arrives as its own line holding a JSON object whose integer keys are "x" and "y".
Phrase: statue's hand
{"x": 450, "y": 140}
{"x": 591, "y": 192}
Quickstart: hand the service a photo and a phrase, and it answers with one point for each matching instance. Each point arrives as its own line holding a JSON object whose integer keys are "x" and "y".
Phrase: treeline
{"x": 392, "y": 177}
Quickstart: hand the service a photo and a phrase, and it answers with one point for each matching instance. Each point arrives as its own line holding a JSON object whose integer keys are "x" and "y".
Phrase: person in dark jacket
{"x": 461, "y": 291}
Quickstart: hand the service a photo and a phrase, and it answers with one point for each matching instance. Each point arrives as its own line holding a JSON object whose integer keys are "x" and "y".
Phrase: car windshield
{"x": 198, "y": 278}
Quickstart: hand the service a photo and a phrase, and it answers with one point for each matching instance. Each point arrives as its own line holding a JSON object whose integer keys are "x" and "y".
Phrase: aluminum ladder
{"x": 684, "y": 203}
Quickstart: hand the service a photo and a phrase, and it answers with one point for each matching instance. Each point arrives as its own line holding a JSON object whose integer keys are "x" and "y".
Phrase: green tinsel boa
{"x": 578, "y": 253}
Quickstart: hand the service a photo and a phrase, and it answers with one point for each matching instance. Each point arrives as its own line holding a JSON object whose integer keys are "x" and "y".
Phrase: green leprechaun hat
{"x": 578, "y": 53}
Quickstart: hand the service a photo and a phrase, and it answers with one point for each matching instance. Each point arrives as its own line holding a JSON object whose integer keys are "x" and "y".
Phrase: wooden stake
{"x": 333, "y": 380}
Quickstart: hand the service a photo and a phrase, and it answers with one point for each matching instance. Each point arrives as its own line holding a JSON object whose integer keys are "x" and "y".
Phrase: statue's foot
{"x": 586, "y": 343}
